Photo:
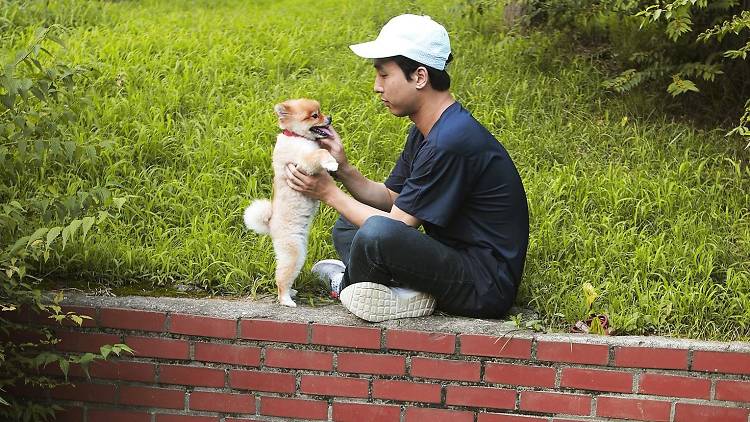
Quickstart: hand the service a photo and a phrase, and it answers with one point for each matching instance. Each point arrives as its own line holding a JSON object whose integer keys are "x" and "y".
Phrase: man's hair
{"x": 439, "y": 79}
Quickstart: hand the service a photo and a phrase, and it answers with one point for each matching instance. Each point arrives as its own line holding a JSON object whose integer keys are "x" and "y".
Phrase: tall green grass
{"x": 652, "y": 212}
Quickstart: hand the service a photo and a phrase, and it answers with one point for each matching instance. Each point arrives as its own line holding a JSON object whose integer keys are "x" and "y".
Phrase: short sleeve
{"x": 439, "y": 182}
{"x": 399, "y": 174}
{"x": 402, "y": 168}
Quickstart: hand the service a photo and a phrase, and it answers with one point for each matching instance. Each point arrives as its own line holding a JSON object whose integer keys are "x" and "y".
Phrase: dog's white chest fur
{"x": 291, "y": 149}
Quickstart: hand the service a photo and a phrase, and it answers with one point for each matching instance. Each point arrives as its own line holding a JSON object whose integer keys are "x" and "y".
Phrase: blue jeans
{"x": 389, "y": 252}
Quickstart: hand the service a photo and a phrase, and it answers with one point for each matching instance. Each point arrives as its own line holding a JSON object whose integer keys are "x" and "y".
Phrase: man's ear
{"x": 281, "y": 109}
{"x": 422, "y": 77}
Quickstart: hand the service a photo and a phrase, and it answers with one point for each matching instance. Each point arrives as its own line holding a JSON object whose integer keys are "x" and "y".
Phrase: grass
{"x": 652, "y": 212}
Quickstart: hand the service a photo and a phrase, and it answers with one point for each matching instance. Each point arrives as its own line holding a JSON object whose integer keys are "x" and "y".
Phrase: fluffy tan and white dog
{"x": 288, "y": 215}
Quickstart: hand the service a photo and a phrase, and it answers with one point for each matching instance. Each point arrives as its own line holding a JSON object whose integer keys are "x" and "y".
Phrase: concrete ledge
{"x": 336, "y": 314}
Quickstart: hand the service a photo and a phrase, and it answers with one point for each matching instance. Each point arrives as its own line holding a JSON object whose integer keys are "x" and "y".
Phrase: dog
{"x": 288, "y": 215}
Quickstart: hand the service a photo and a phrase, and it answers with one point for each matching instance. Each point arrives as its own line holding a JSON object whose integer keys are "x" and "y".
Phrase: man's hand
{"x": 336, "y": 148}
{"x": 319, "y": 186}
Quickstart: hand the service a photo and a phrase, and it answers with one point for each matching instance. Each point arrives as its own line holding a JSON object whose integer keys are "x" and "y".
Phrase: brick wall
{"x": 198, "y": 368}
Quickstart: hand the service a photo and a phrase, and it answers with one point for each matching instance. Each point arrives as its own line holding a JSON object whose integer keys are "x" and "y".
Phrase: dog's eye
{"x": 314, "y": 115}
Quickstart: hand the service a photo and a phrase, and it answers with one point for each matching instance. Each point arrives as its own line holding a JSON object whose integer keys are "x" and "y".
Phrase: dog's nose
{"x": 328, "y": 120}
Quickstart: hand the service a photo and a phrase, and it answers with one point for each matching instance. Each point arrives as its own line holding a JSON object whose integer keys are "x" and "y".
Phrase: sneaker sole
{"x": 375, "y": 303}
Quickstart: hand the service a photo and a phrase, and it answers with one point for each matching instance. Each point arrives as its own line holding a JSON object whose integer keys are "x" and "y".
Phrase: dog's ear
{"x": 281, "y": 109}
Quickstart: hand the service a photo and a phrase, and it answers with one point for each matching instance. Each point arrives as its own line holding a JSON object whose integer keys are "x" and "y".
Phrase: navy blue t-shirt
{"x": 462, "y": 184}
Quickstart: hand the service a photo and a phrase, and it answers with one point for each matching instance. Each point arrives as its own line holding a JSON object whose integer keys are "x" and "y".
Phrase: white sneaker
{"x": 375, "y": 302}
{"x": 330, "y": 271}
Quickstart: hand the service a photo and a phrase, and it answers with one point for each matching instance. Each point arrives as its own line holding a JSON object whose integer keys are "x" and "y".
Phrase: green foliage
{"x": 39, "y": 100}
{"x": 651, "y": 211}
{"x": 687, "y": 45}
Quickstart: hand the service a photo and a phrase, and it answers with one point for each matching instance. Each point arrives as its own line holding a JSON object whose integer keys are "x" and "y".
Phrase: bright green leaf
{"x": 52, "y": 234}
{"x": 87, "y": 223}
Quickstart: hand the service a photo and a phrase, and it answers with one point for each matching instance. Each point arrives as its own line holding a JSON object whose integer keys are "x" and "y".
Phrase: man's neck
{"x": 431, "y": 109}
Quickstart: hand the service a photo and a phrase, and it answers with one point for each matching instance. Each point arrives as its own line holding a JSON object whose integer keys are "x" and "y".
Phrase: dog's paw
{"x": 330, "y": 165}
{"x": 287, "y": 301}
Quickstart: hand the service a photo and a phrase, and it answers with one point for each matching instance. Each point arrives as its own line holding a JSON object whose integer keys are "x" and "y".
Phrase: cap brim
{"x": 373, "y": 50}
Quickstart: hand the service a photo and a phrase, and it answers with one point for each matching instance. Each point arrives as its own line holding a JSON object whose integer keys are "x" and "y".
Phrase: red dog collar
{"x": 290, "y": 133}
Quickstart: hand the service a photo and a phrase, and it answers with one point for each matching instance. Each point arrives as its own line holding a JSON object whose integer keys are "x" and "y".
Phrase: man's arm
{"x": 357, "y": 212}
{"x": 365, "y": 190}
{"x": 323, "y": 188}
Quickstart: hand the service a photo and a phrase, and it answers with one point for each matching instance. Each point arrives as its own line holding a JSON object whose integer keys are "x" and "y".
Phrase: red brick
{"x": 24, "y": 390}
{"x": 111, "y": 369}
{"x": 285, "y": 332}
{"x": 158, "y": 347}
{"x": 84, "y": 342}
{"x": 367, "y": 363}
{"x": 420, "y": 341}
{"x": 574, "y": 420}
{"x": 100, "y": 393}
{"x": 724, "y": 362}
{"x": 164, "y": 398}
{"x": 294, "y": 408}
{"x": 262, "y": 381}
{"x": 358, "y": 412}
{"x": 191, "y": 375}
{"x": 130, "y": 319}
{"x": 644, "y": 357}
{"x": 26, "y": 314}
{"x": 123, "y": 370}
{"x": 198, "y": 325}
{"x": 99, "y": 415}
{"x": 222, "y": 402}
{"x": 406, "y": 391}
{"x": 357, "y": 337}
{"x": 299, "y": 359}
{"x": 594, "y": 379}
{"x": 685, "y": 412}
{"x": 334, "y": 386}
{"x": 445, "y": 369}
{"x": 25, "y": 335}
{"x": 513, "y": 374}
{"x": 674, "y": 386}
{"x": 642, "y": 410}
{"x": 594, "y": 354}
{"x": 504, "y": 347}
{"x": 733, "y": 390}
{"x": 69, "y": 414}
{"x": 185, "y": 418}
{"x": 417, "y": 414}
{"x": 34, "y": 316}
{"x": 499, "y": 417}
{"x": 495, "y": 398}
{"x": 571, "y": 404}
{"x": 19, "y": 315}
{"x": 227, "y": 353}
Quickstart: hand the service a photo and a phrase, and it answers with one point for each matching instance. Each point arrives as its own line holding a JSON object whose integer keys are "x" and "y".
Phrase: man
{"x": 453, "y": 178}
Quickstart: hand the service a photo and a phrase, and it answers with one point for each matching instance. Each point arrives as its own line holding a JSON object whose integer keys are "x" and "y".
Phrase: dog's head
{"x": 303, "y": 117}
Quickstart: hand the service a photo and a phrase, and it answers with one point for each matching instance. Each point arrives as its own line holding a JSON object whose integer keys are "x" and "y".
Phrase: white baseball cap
{"x": 417, "y": 37}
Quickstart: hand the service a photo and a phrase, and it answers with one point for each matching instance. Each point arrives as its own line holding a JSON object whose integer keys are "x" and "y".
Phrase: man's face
{"x": 396, "y": 92}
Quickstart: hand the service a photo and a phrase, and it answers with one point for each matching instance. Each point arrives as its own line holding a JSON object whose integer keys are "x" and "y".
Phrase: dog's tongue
{"x": 326, "y": 130}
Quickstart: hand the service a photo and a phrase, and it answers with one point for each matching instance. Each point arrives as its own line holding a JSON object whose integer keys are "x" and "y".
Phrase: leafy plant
{"x": 595, "y": 320}
{"x": 687, "y": 45}
{"x": 38, "y": 99}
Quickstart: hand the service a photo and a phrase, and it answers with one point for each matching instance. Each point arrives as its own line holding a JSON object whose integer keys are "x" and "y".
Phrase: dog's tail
{"x": 258, "y": 216}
